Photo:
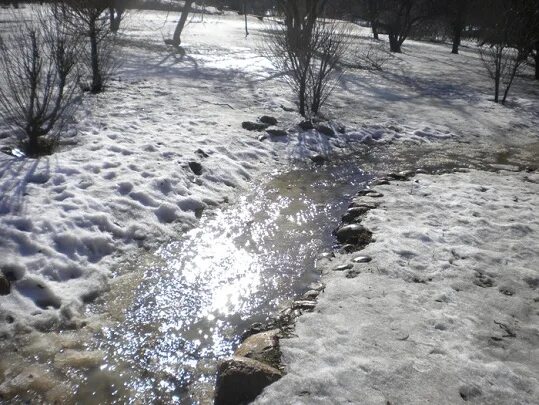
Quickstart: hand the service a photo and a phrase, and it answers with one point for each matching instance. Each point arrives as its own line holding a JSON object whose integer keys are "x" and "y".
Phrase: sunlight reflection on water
{"x": 236, "y": 268}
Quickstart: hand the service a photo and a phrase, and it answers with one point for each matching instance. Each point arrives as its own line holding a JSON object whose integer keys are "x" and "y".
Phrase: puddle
{"x": 195, "y": 297}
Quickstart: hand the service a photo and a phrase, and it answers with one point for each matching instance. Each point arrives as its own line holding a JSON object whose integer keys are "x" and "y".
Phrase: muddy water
{"x": 194, "y": 297}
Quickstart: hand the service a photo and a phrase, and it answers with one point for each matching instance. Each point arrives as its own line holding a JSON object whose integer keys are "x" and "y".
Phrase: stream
{"x": 171, "y": 315}
{"x": 196, "y": 296}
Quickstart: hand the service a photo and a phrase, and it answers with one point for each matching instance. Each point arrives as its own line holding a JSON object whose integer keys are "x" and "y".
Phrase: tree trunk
{"x": 176, "y": 39}
{"x": 302, "y": 90}
{"x": 457, "y": 35}
{"x": 115, "y": 18}
{"x": 394, "y": 43}
{"x": 32, "y": 148}
{"x": 245, "y": 15}
{"x": 374, "y": 25}
{"x": 497, "y": 87}
{"x": 97, "y": 82}
{"x": 537, "y": 60}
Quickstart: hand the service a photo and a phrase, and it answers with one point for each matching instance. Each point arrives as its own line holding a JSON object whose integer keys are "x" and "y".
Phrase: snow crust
{"x": 447, "y": 311}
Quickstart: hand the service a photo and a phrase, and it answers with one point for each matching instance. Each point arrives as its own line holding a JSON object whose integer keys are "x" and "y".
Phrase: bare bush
{"x": 38, "y": 79}
{"x": 308, "y": 49}
{"x": 502, "y": 64}
{"x": 372, "y": 55}
{"x": 508, "y": 36}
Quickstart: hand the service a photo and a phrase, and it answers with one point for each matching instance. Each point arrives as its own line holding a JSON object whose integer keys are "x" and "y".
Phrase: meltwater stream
{"x": 197, "y": 295}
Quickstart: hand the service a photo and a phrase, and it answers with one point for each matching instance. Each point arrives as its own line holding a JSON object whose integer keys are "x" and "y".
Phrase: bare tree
{"x": 457, "y": 11}
{"x": 508, "y": 37}
{"x": 176, "y": 38}
{"x": 308, "y": 49}
{"x": 38, "y": 79}
{"x": 502, "y": 63}
{"x": 117, "y": 9}
{"x": 91, "y": 18}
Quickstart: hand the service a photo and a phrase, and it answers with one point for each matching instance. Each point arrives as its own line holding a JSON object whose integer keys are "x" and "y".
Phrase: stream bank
{"x": 441, "y": 307}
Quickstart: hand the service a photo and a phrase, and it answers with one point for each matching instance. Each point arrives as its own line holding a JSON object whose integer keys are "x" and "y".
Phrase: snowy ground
{"x": 446, "y": 312}
{"x": 122, "y": 180}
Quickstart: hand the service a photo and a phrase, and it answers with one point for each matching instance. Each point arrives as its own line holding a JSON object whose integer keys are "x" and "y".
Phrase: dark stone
{"x": 354, "y": 234}
{"x": 304, "y": 305}
{"x": 318, "y": 159}
{"x": 277, "y": 132}
{"x": 201, "y": 153}
{"x": 263, "y": 347}
{"x": 380, "y": 182}
{"x": 266, "y": 119}
{"x": 343, "y": 267}
{"x": 306, "y": 125}
{"x": 310, "y": 295}
{"x": 288, "y": 109}
{"x": 363, "y": 259}
{"x": 5, "y": 286}
{"x": 240, "y": 380}
{"x": 401, "y": 176}
{"x": 353, "y": 273}
{"x": 196, "y": 168}
{"x": 253, "y": 126}
{"x": 370, "y": 193}
{"x": 469, "y": 392}
{"x": 326, "y": 130}
{"x": 354, "y": 213}
{"x": 359, "y": 203}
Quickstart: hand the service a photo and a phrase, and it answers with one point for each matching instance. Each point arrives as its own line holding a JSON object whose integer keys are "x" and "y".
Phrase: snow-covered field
{"x": 446, "y": 312}
{"x": 122, "y": 179}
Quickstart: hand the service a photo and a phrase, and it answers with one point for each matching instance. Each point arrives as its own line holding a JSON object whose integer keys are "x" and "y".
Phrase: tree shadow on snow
{"x": 15, "y": 175}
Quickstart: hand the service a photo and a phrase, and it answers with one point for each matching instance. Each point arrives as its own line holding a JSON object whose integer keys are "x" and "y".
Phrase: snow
{"x": 446, "y": 312}
{"x": 121, "y": 180}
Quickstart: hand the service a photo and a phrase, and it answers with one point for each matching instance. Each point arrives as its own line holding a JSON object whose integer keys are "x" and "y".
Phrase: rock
{"x": 310, "y": 295}
{"x": 306, "y": 125}
{"x": 362, "y": 259}
{"x": 352, "y": 214}
{"x": 318, "y": 159}
{"x": 266, "y": 119}
{"x": 401, "y": 176}
{"x": 254, "y": 126}
{"x": 262, "y": 138}
{"x": 263, "y": 347}
{"x": 202, "y": 154}
{"x": 196, "y": 168}
{"x": 5, "y": 285}
{"x": 355, "y": 234}
{"x": 241, "y": 380}
{"x": 326, "y": 255}
{"x": 277, "y": 132}
{"x": 380, "y": 182}
{"x": 304, "y": 305}
{"x": 325, "y": 129}
{"x": 360, "y": 203}
{"x": 343, "y": 267}
{"x": 369, "y": 192}
{"x": 287, "y": 109}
